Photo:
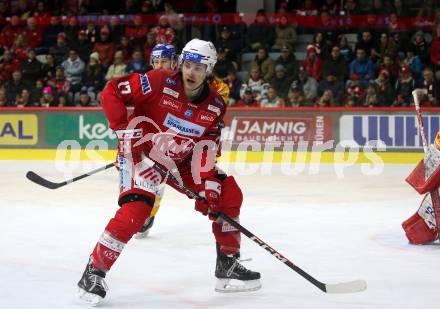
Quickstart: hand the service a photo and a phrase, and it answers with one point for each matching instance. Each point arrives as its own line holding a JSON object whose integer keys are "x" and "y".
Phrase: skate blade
{"x": 89, "y": 298}
{"x": 236, "y": 286}
{"x": 142, "y": 235}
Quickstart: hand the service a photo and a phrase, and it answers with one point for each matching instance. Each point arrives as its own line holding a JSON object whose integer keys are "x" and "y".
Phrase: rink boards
{"x": 309, "y": 135}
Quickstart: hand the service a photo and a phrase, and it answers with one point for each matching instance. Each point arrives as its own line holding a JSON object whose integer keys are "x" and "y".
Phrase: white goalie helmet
{"x": 199, "y": 51}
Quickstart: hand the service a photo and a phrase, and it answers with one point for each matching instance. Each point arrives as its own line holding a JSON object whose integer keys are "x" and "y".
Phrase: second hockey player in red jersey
{"x": 176, "y": 123}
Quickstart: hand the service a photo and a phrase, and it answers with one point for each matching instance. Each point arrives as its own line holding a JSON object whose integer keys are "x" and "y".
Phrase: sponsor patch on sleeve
{"x": 170, "y": 92}
{"x": 145, "y": 83}
{"x": 214, "y": 109}
{"x": 206, "y": 117}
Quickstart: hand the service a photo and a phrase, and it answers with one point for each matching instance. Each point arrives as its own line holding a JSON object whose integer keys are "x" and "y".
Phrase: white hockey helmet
{"x": 199, "y": 51}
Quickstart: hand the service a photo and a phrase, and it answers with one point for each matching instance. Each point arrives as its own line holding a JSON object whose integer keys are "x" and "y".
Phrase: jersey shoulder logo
{"x": 171, "y": 81}
{"x": 145, "y": 83}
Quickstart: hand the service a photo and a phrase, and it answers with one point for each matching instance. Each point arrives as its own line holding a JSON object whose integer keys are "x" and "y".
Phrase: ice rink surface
{"x": 336, "y": 229}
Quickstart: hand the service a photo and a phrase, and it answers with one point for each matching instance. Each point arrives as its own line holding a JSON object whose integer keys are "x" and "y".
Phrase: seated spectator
{"x": 8, "y": 64}
{"x": 367, "y": 44}
{"x": 82, "y": 45}
{"x": 148, "y": 46}
{"x": 60, "y": 50}
{"x": 414, "y": 63}
{"x": 248, "y": 99}
{"x": 355, "y": 92}
{"x": 264, "y": 63}
{"x": 105, "y": 48}
{"x": 25, "y": 99}
{"x": 363, "y": 67}
{"x": 431, "y": 88}
{"x": 288, "y": 60}
{"x": 73, "y": 70}
{"x": 136, "y": 32}
{"x": 326, "y": 100}
{"x": 405, "y": 84}
{"x": 255, "y": 82}
{"x": 421, "y": 47}
{"x": 335, "y": 66}
{"x": 85, "y": 100}
{"x": 37, "y": 91}
{"x": 312, "y": 63}
{"x": 50, "y": 33}
{"x": 322, "y": 46}
{"x": 386, "y": 47}
{"x": 116, "y": 29}
{"x": 10, "y": 32}
{"x": 281, "y": 82}
{"x": 329, "y": 27}
{"x": 234, "y": 85}
{"x": 223, "y": 64}
{"x": 19, "y": 47}
{"x": 335, "y": 86}
{"x": 137, "y": 64}
{"x": 48, "y": 68}
{"x": 31, "y": 68}
{"x": 309, "y": 86}
{"x": 272, "y": 99}
{"x": 295, "y": 97}
{"x": 71, "y": 30}
{"x": 239, "y": 31}
{"x": 93, "y": 76}
{"x": 14, "y": 87}
{"x": 285, "y": 34}
{"x": 48, "y": 99}
{"x": 34, "y": 34}
{"x": 61, "y": 86}
{"x": 384, "y": 89}
{"x": 371, "y": 98}
{"x": 91, "y": 32}
{"x": 163, "y": 33}
{"x": 260, "y": 32}
{"x": 345, "y": 48}
{"x": 126, "y": 48}
{"x": 117, "y": 69}
{"x": 229, "y": 44}
{"x": 389, "y": 65}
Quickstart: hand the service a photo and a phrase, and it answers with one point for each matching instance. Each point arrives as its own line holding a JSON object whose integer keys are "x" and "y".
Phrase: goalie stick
{"x": 344, "y": 287}
{"x": 434, "y": 193}
{"x": 39, "y": 180}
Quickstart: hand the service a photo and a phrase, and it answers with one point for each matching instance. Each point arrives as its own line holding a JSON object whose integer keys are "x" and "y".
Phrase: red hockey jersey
{"x": 159, "y": 98}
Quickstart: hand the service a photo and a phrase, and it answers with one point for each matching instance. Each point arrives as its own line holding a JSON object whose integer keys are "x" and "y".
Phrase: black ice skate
{"x": 229, "y": 271}
{"x": 92, "y": 287}
{"x": 145, "y": 230}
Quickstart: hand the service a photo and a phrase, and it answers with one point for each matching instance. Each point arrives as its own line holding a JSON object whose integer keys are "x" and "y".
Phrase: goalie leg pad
{"x": 417, "y": 231}
{"x": 127, "y": 222}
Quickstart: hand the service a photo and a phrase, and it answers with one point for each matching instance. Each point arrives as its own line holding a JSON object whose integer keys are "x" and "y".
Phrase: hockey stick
{"x": 344, "y": 287}
{"x": 39, "y": 180}
{"x": 434, "y": 193}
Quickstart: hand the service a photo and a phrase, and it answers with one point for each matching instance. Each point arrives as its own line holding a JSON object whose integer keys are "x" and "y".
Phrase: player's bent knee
{"x": 231, "y": 198}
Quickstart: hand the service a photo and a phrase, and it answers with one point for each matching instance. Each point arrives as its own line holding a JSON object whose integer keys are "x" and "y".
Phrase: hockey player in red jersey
{"x": 176, "y": 123}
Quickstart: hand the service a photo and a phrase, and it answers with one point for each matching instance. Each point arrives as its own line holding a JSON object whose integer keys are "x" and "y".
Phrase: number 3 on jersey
{"x": 124, "y": 87}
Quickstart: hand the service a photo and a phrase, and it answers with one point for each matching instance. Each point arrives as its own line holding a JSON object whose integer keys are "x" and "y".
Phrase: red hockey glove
{"x": 210, "y": 189}
{"x": 127, "y": 150}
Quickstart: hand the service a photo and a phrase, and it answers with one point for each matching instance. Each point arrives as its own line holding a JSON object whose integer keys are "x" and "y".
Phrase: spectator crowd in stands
{"x": 55, "y": 53}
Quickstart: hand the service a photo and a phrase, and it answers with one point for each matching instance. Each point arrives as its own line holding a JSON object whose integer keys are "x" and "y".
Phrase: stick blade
{"x": 346, "y": 287}
{"x": 35, "y": 178}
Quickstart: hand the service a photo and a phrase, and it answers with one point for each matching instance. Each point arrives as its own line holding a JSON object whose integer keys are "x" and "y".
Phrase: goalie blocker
{"x": 422, "y": 227}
